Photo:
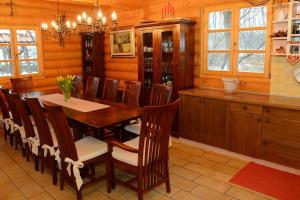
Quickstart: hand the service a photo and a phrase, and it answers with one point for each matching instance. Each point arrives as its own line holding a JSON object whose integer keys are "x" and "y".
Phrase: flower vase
{"x": 67, "y": 96}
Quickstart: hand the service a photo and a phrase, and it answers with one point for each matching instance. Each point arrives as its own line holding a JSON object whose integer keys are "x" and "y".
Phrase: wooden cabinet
{"x": 165, "y": 55}
{"x": 93, "y": 57}
{"x": 203, "y": 120}
{"x": 244, "y": 128}
{"x": 281, "y": 136}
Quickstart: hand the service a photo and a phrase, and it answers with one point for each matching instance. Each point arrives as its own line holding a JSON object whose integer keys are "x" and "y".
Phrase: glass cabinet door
{"x": 148, "y": 59}
{"x": 166, "y": 60}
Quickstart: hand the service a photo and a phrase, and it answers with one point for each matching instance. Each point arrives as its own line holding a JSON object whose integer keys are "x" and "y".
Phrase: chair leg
{"x": 43, "y": 160}
{"x": 11, "y": 139}
{"x": 16, "y": 141}
{"x": 113, "y": 179}
{"x": 54, "y": 170}
{"x": 36, "y": 162}
{"x": 168, "y": 186}
{"x": 62, "y": 176}
{"x": 108, "y": 175}
{"x": 5, "y": 133}
{"x": 78, "y": 195}
{"x": 140, "y": 186}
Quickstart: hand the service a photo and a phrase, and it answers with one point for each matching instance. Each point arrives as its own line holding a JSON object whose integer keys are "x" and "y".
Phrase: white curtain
{"x": 257, "y": 2}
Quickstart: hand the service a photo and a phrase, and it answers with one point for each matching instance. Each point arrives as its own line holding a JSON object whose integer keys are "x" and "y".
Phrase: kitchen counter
{"x": 245, "y": 97}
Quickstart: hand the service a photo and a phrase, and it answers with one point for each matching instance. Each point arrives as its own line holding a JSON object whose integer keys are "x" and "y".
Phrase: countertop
{"x": 245, "y": 97}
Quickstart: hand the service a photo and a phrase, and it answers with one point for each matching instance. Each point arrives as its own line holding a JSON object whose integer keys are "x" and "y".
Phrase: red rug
{"x": 269, "y": 181}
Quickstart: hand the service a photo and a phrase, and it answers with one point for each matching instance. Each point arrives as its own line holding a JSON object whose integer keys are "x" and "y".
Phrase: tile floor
{"x": 196, "y": 174}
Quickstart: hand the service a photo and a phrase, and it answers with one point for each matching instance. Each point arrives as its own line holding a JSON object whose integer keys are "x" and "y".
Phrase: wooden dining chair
{"x": 132, "y": 92}
{"x": 29, "y": 138}
{"x": 15, "y": 121}
{"x": 160, "y": 95}
{"x": 6, "y": 115}
{"x": 85, "y": 152}
{"x": 77, "y": 89}
{"x": 91, "y": 88}
{"x": 22, "y": 85}
{"x": 145, "y": 156}
{"x": 45, "y": 132}
{"x": 110, "y": 89}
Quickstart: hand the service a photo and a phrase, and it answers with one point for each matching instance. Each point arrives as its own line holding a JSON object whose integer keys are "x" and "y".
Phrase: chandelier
{"x": 87, "y": 25}
{"x": 60, "y": 28}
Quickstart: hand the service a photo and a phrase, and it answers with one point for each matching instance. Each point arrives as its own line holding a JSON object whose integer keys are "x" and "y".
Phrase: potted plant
{"x": 66, "y": 83}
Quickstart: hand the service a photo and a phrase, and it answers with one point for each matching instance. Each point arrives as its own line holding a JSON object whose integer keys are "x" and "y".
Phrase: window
{"x": 236, "y": 42}
{"x": 20, "y": 52}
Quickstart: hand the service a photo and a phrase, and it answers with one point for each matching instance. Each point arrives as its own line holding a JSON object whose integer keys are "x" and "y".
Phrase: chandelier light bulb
{"x": 104, "y": 20}
{"x": 68, "y": 24}
{"x": 74, "y": 25}
{"x": 114, "y": 16}
{"x": 53, "y": 24}
{"x": 79, "y": 19}
{"x": 89, "y": 21}
{"x": 84, "y": 16}
{"x": 100, "y": 14}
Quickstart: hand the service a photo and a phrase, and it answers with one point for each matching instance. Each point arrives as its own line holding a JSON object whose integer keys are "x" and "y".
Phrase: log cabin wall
{"x": 57, "y": 60}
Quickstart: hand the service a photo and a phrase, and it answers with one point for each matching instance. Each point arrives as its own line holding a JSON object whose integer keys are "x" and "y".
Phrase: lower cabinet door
{"x": 244, "y": 133}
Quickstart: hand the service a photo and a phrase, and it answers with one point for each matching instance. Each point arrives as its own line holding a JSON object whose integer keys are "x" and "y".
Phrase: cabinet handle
{"x": 264, "y": 143}
{"x": 266, "y": 121}
{"x": 267, "y": 111}
{"x": 245, "y": 108}
{"x": 259, "y": 119}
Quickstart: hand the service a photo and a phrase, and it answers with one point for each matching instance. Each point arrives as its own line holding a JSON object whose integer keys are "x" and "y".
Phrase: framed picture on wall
{"x": 122, "y": 43}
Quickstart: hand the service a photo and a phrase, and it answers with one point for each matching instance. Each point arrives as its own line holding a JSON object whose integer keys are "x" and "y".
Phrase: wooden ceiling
{"x": 110, "y": 3}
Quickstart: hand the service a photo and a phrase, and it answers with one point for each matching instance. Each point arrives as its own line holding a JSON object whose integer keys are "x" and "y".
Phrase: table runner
{"x": 74, "y": 103}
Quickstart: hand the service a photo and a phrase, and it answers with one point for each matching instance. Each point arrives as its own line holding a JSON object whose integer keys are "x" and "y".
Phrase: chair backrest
{"x": 62, "y": 131}
{"x": 24, "y": 115}
{"x": 110, "y": 89}
{"x": 3, "y": 104}
{"x": 92, "y": 85}
{"x": 11, "y": 104}
{"x": 41, "y": 123}
{"x": 132, "y": 92}
{"x": 156, "y": 126}
{"x": 160, "y": 95}
{"x": 77, "y": 86}
{"x": 22, "y": 85}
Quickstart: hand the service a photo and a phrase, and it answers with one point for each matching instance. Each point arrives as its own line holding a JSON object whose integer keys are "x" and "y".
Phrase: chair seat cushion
{"x": 134, "y": 128}
{"x": 89, "y": 148}
{"x": 126, "y": 156}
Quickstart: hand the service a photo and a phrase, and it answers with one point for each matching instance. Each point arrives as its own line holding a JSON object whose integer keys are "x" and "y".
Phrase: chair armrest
{"x": 112, "y": 142}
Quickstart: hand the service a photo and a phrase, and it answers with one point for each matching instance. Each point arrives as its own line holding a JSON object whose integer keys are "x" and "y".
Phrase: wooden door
{"x": 244, "y": 129}
{"x": 191, "y": 118}
{"x": 147, "y": 53}
{"x": 215, "y": 120}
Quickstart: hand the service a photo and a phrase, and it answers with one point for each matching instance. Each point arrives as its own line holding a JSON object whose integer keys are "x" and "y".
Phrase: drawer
{"x": 249, "y": 108}
{"x": 272, "y": 112}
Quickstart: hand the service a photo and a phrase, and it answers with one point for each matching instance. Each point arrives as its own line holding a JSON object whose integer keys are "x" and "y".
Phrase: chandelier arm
{"x": 57, "y": 7}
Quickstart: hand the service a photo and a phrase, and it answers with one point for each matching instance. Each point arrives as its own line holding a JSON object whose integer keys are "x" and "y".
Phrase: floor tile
{"x": 182, "y": 183}
{"x": 182, "y": 195}
{"x": 185, "y": 173}
{"x": 208, "y": 194}
{"x": 243, "y": 194}
{"x": 213, "y": 184}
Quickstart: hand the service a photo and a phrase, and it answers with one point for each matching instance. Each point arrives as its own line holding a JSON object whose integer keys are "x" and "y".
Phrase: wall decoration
{"x": 168, "y": 12}
{"x": 122, "y": 43}
{"x": 293, "y": 59}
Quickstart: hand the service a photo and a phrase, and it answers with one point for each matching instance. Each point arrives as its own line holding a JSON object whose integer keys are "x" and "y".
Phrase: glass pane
{"x": 251, "y": 62}
{"x": 27, "y": 52}
{"x": 219, "y": 61}
{"x": 26, "y": 36}
{"x": 219, "y": 20}
{"x": 253, "y": 17}
{"x": 254, "y": 40}
{"x": 29, "y": 67}
{"x": 5, "y": 53}
{"x": 6, "y": 69}
{"x": 219, "y": 41}
{"x": 5, "y": 36}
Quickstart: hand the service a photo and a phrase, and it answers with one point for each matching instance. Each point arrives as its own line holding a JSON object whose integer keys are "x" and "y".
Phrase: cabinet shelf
{"x": 280, "y": 22}
{"x": 279, "y": 38}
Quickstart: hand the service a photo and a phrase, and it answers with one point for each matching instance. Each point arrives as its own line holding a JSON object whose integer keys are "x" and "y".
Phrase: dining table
{"x": 114, "y": 113}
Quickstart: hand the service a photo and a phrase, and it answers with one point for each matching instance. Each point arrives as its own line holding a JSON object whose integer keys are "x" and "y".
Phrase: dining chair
{"x": 30, "y": 140}
{"x": 110, "y": 89}
{"x": 145, "y": 156}
{"x": 22, "y": 85}
{"x": 45, "y": 132}
{"x": 132, "y": 92}
{"x": 6, "y": 115}
{"x": 91, "y": 88}
{"x": 85, "y": 152}
{"x": 77, "y": 89}
{"x": 15, "y": 121}
{"x": 160, "y": 95}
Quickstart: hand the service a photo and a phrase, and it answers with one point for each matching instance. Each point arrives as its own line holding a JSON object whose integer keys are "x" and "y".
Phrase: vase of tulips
{"x": 66, "y": 83}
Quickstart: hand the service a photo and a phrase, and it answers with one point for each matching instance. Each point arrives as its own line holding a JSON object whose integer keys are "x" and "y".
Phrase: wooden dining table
{"x": 116, "y": 113}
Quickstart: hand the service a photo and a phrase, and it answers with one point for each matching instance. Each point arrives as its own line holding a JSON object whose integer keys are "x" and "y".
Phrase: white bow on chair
{"x": 76, "y": 165}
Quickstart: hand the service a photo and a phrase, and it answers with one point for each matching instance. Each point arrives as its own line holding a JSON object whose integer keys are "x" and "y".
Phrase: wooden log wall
{"x": 57, "y": 60}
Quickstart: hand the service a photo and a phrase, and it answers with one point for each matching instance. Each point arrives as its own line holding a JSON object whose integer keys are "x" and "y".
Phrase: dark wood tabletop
{"x": 115, "y": 114}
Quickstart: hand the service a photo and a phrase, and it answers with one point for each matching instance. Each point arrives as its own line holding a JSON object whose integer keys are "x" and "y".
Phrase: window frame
{"x": 15, "y": 58}
{"x": 234, "y": 43}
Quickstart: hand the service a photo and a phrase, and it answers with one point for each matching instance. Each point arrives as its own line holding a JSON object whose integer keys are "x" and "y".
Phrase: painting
{"x": 122, "y": 43}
